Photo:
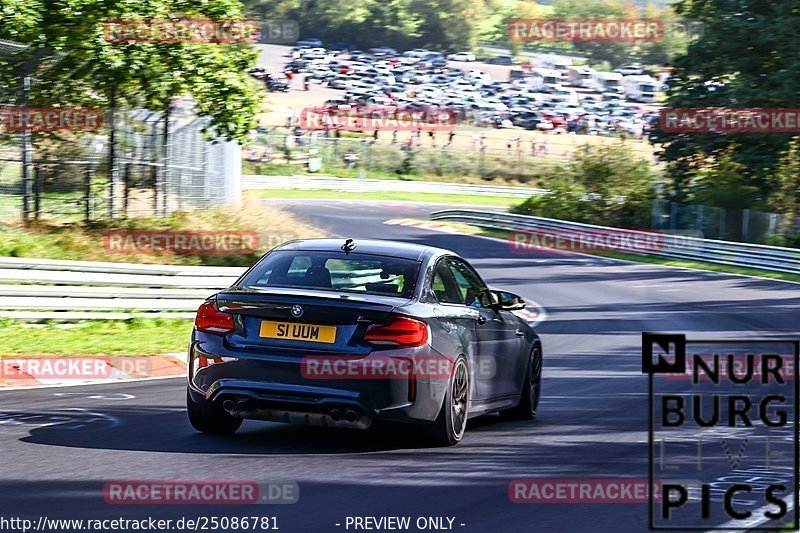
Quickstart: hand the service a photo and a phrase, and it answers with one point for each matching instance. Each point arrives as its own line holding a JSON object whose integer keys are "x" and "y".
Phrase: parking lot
{"x": 498, "y": 114}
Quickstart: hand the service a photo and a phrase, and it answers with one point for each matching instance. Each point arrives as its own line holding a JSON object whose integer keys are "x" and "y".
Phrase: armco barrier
{"x": 744, "y": 255}
{"x": 47, "y": 289}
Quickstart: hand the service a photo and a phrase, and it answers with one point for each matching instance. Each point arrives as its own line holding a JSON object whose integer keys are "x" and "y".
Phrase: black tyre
{"x": 451, "y": 423}
{"x": 210, "y": 417}
{"x": 531, "y": 389}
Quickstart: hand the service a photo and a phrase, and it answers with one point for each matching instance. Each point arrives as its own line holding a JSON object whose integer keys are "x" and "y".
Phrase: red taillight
{"x": 209, "y": 319}
{"x": 402, "y": 331}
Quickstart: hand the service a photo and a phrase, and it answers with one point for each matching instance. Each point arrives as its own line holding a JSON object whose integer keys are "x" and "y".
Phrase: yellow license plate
{"x": 298, "y": 332}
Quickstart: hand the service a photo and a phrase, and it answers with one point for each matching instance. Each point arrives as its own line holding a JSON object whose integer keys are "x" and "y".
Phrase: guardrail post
{"x": 700, "y": 218}
{"x": 87, "y": 191}
{"x": 27, "y": 150}
{"x": 37, "y": 191}
{"x": 745, "y": 224}
{"x": 773, "y": 223}
{"x": 673, "y": 215}
{"x": 154, "y": 174}
{"x": 656, "y": 215}
{"x": 126, "y": 188}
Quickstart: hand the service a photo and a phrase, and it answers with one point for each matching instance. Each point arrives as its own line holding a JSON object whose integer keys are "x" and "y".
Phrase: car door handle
{"x": 519, "y": 333}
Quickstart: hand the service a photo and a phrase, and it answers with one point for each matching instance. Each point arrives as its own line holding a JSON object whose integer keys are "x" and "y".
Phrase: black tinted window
{"x": 472, "y": 289}
{"x": 444, "y": 286}
{"x": 335, "y": 271}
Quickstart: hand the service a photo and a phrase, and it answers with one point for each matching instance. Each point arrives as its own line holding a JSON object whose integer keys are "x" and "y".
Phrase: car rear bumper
{"x": 273, "y": 388}
{"x": 277, "y": 402}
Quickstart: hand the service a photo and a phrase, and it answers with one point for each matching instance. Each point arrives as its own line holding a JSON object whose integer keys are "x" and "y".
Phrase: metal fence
{"x": 478, "y": 153}
{"x": 741, "y": 225}
{"x": 162, "y": 166}
{"x": 48, "y": 289}
{"x": 771, "y": 258}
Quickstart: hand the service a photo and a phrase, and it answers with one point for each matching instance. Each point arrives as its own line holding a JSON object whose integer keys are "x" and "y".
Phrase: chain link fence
{"x": 162, "y": 166}
{"x": 725, "y": 224}
{"x": 468, "y": 153}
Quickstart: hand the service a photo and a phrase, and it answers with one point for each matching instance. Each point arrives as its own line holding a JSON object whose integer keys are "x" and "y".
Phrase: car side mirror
{"x": 506, "y": 301}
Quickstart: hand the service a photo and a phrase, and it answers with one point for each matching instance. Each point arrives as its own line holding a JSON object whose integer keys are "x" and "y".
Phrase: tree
{"x": 447, "y": 25}
{"x": 86, "y": 69}
{"x": 723, "y": 183}
{"x": 664, "y": 51}
{"x": 784, "y": 185}
{"x": 746, "y": 57}
{"x": 606, "y": 185}
{"x": 615, "y": 53}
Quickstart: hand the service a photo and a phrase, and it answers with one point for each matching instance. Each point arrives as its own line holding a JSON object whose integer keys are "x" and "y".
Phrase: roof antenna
{"x": 348, "y": 246}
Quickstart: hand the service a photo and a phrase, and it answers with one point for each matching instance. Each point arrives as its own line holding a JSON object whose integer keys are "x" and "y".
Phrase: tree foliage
{"x": 446, "y": 25}
{"x": 604, "y": 186}
{"x": 83, "y": 68}
{"x": 746, "y": 57}
{"x": 784, "y": 188}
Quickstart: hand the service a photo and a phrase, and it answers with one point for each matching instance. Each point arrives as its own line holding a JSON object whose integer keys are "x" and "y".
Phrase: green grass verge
{"x": 453, "y": 200}
{"x": 288, "y": 169}
{"x": 655, "y": 260}
{"x": 139, "y": 336}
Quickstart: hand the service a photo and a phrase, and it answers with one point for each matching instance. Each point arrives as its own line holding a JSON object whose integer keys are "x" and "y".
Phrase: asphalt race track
{"x": 60, "y": 445}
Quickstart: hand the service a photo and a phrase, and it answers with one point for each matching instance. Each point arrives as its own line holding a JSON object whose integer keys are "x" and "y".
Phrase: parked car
{"x": 502, "y": 60}
{"x": 461, "y": 56}
{"x": 630, "y": 70}
{"x": 311, "y": 43}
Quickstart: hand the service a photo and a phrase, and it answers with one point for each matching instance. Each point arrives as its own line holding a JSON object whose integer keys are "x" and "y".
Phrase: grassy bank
{"x": 98, "y": 337}
{"x": 449, "y": 200}
{"x": 458, "y": 174}
{"x": 78, "y": 241}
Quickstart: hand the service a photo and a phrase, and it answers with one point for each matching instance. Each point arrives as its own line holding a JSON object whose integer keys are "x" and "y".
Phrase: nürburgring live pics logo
{"x": 725, "y": 414}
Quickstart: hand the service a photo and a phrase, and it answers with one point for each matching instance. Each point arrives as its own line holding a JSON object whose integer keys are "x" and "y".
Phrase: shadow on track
{"x": 160, "y": 430}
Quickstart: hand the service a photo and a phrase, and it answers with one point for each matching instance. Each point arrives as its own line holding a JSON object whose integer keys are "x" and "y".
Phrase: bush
{"x": 606, "y": 186}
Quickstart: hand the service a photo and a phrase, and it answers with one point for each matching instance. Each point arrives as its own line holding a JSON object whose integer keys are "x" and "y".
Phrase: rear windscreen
{"x": 335, "y": 271}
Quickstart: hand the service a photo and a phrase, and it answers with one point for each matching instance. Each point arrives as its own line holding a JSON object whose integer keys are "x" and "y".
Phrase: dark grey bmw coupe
{"x": 343, "y": 333}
